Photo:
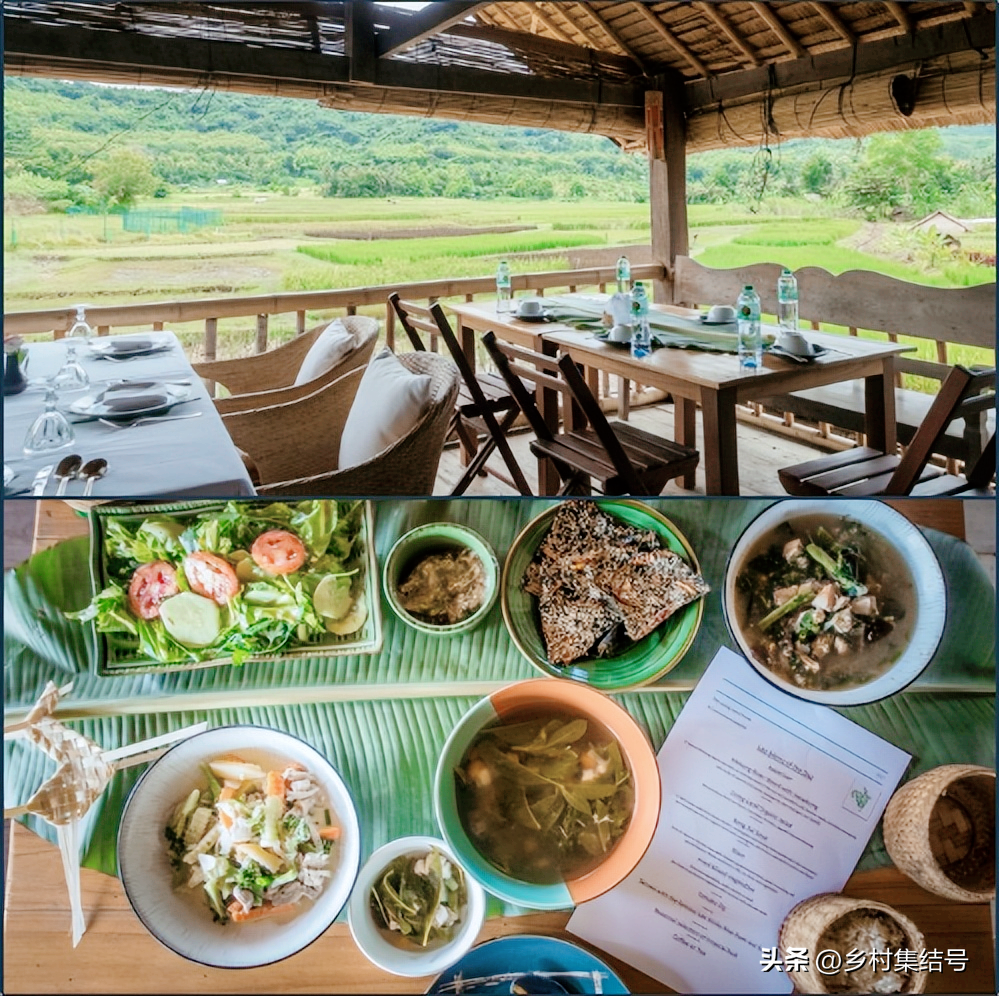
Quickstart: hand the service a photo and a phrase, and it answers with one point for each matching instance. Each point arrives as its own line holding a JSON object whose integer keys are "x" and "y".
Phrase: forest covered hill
{"x": 79, "y": 145}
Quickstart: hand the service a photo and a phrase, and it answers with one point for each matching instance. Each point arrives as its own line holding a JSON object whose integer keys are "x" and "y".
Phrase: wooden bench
{"x": 861, "y": 300}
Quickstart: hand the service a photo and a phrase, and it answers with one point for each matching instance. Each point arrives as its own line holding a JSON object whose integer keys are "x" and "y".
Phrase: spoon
{"x": 69, "y": 467}
{"x": 92, "y": 471}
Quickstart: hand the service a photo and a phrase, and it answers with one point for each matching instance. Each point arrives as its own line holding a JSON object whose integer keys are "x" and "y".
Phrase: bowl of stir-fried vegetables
{"x": 239, "y": 846}
{"x": 414, "y": 911}
{"x": 836, "y": 601}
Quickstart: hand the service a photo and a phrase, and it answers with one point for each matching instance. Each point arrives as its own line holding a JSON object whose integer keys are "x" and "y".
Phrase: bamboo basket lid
{"x": 940, "y": 830}
{"x": 821, "y": 923}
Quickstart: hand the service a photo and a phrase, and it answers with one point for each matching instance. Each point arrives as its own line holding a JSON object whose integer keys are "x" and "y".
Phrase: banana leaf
{"x": 41, "y": 645}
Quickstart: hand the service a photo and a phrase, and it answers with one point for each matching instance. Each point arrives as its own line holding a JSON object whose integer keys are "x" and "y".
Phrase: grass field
{"x": 269, "y": 244}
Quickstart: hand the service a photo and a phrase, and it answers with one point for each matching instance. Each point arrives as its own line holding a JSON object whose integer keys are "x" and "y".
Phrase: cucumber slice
{"x": 332, "y": 597}
{"x": 350, "y": 623}
{"x": 191, "y": 619}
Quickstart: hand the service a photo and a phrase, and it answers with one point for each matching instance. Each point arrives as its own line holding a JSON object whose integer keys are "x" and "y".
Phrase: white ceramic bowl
{"x": 183, "y": 920}
{"x": 411, "y": 961}
{"x": 929, "y": 592}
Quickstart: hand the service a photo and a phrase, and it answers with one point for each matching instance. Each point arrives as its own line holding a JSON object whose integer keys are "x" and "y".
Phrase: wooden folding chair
{"x": 977, "y": 483}
{"x": 863, "y": 471}
{"x": 482, "y": 398}
{"x": 620, "y": 457}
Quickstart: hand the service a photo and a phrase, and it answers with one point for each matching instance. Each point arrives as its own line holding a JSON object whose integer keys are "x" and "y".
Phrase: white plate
{"x": 125, "y": 347}
{"x": 119, "y": 402}
{"x": 182, "y": 920}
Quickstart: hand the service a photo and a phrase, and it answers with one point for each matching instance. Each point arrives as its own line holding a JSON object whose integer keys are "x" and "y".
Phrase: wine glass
{"x": 51, "y": 430}
{"x": 71, "y": 376}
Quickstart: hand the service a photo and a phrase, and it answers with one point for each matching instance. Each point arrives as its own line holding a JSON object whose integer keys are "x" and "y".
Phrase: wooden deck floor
{"x": 761, "y": 455}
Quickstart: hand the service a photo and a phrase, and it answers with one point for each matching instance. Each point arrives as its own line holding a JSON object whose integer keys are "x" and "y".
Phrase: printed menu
{"x": 767, "y": 800}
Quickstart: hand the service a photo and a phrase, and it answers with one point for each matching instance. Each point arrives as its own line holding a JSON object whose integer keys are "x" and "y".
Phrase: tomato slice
{"x": 150, "y": 586}
{"x": 278, "y": 552}
{"x": 209, "y": 575}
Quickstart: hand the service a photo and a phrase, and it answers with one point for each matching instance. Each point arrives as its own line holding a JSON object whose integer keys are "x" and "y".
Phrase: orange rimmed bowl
{"x": 562, "y": 698}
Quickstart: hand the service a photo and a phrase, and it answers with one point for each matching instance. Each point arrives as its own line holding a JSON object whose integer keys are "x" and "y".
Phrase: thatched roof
{"x": 744, "y": 68}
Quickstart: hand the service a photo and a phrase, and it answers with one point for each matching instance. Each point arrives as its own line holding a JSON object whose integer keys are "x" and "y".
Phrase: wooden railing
{"x": 263, "y": 307}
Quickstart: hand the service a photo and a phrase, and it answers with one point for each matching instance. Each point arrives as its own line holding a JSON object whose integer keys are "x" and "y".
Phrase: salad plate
{"x": 201, "y": 583}
{"x": 130, "y": 400}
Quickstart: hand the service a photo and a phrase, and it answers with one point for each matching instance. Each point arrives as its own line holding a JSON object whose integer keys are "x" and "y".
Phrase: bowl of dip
{"x": 441, "y": 578}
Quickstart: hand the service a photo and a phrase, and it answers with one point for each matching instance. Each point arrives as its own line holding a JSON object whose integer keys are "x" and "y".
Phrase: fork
{"x": 150, "y": 418}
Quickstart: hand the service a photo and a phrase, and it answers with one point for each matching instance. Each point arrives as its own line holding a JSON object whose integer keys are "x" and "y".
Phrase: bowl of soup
{"x": 835, "y": 601}
{"x": 548, "y": 793}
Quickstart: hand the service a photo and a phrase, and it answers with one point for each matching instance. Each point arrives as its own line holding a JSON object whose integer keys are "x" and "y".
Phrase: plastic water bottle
{"x": 503, "y": 287}
{"x": 787, "y": 301}
{"x": 641, "y": 334}
{"x": 623, "y": 275}
{"x": 750, "y": 336}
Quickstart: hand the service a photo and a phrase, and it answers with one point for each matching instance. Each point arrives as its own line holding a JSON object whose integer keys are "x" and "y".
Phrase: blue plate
{"x": 537, "y": 964}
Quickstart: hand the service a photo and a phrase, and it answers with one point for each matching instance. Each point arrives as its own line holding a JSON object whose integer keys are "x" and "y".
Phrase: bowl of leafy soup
{"x": 840, "y": 602}
{"x": 548, "y": 795}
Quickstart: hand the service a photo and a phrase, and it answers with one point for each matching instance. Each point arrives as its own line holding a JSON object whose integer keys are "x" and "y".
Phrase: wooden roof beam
{"x": 779, "y": 28}
{"x": 615, "y": 37}
{"x": 833, "y": 20}
{"x": 432, "y": 20}
{"x": 672, "y": 40}
{"x": 898, "y": 12}
{"x": 733, "y": 36}
{"x": 544, "y": 18}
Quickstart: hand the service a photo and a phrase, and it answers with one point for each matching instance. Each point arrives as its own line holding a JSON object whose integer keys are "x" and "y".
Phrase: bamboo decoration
{"x": 83, "y": 772}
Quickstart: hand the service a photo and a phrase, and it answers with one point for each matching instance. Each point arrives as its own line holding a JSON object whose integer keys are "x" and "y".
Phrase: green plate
{"x": 118, "y": 653}
{"x": 643, "y": 661}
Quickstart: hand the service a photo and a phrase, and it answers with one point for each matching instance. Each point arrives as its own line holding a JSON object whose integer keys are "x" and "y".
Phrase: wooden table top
{"x": 116, "y": 953}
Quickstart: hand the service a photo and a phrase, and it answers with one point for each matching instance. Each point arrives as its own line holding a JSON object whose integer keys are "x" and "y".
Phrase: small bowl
{"x": 928, "y": 588}
{"x": 435, "y": 537}
{"x": 561, "y": 698}
{"x": 530, "y": 307}
{"x": 641, "y": 662}
{"x": 411, "y": 961}
{"x": 182, "y": 921}
{"x": 720, "y": 314}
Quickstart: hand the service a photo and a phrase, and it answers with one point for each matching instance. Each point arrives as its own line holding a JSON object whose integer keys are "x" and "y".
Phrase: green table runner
{"x": 41, "y": 645}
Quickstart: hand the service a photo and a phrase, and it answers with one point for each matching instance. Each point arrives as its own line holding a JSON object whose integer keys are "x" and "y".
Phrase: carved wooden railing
{"x": 265, "y": 306}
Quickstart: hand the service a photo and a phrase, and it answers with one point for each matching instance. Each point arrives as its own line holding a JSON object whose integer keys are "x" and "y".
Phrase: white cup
{"x": 721, "y": 313}
{"x": 794, "y": 342}
{"x": 620, "y": 333}
{"x": 530, "y": 307}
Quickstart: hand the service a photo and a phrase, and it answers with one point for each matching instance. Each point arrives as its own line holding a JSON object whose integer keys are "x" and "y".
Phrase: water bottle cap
{"x": 748, "y": 287}
{"x": 785, "y": 272}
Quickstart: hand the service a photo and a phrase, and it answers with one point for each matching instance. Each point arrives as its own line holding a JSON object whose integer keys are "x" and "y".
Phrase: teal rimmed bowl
{"x": 640, "y": 663}
{"x": 438, "y": 537}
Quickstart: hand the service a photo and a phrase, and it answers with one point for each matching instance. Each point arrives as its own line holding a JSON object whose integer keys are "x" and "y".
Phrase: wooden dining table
{"x": 713, "y": 381}
{"x": 117, "y": 954}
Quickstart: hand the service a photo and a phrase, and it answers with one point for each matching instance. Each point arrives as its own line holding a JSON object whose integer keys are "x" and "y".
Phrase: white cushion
{"x": 330, "y": 347}
{"x": 390, "y": 400}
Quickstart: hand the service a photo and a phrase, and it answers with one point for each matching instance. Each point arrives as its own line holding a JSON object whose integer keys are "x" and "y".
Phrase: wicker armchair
{"x": 269, "y": 378}
{"x": 297, "y": 455}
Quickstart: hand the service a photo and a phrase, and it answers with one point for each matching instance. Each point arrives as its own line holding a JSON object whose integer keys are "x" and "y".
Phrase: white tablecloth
{"x": 185, "y": 458}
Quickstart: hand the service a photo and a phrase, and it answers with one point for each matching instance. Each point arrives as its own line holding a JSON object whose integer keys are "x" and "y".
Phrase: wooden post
{"x": 211, "y": 337}
{"x": 261, "y": 333}
{"x": 665, "y": 132}
{"x": 390, "y": 326}
{"x": 299, "y": 322}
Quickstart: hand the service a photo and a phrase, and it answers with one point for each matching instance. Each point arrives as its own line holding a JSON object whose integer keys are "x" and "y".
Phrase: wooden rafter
{"x": 615, "y": 37}
{"x": 504, "y": 18}
{"x": 733, "y": 36}
{"x": 671, "y": 39}
{"x": 900, "y": 15}
{"x": 833, "y": 20}
{"x": 549, "y": 23}
{"x": 779, "y": 28}
{"x": 432, "y": 20}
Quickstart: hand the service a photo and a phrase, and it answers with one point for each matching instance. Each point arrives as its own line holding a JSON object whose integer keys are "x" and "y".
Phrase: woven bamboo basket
{"x": 812, "y": 925}
{"x": 940, "y": 830}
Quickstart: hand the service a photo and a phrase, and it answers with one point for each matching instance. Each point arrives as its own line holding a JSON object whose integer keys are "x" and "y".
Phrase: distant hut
{"x": 946, "y": 225}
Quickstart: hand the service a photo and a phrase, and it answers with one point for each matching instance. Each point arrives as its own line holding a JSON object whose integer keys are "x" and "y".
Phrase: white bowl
{"x": 183, "y": 920}
{"x": 371, "y": 939}
{"x": 929, "y": 592}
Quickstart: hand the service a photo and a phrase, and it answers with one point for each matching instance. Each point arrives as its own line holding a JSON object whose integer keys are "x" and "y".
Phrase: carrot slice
{"x": 225, "y": 819}
{"x": 275, "y": 784}
{"x": 235, "y": 911}
{"x": 228, "y": 792}
{"x": 329, "y": 833}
